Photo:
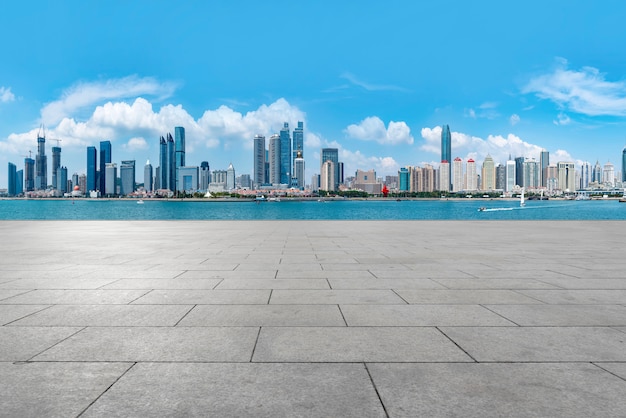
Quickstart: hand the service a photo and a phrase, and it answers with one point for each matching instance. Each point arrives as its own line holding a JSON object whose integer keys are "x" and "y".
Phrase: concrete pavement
{"x": 313, "y": 318}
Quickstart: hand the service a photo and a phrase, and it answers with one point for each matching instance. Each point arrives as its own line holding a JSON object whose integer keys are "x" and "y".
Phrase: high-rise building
{"x": 12, "y": 180}
{"x": 148, "y": 177}
{"x": 597, "y": 173}
{"x": 188, "y": 179}
{"x": 446, "y": 151}
{"x": 170, "y": 167}
{"x": 298, "y": 165}
{"x": 585, "y": 175}
{"x": 332, "y": 154}
{"x": 29, "y": 174}
{"x": 544, "y": 161}
{"x": 62, "y": 180}
{"x": 298, "y": 145}
{"x": 274, "y": 159}
{"x": 567, "y": 176}
{"x": 552, "y": 174}
{"x": 444, "y": 176}
{"x": 162, "y": 169}
{"x": 259, "y": 160}
{"x": 92, "y": 169}
{"x": 488, "y": 174}
{"x": 105, "y": 158}
{"x": 500, "y": 177}
{"x": 471, "y": 178}
{"x": 82, "y": 183}
{"x": 285, "y": 155}
{"x": 624, "y": 165}
{"x": 510, "y": 175}
{"x": 532, "y": 174}
{"x": 327, "y": 176}
{"x": 608, "y": 174}
{"x": 41, "y": 164}
{"x": 110, "y": 175}
{"x": 56, "y": 164}
{"x": 19, "y": 182}
{"x": 457, "y": 173}
{"x": 179, "y": 135}
{"x": 519, "y": 171}
{"x": 230, "y": 177}
{"x": 205, "y": 176}
{"x": 403, "y": 179}
{"x": 127, "y": 177}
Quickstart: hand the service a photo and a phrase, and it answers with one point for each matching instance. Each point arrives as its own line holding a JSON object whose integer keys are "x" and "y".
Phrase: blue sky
{"x": 375, "y": 79}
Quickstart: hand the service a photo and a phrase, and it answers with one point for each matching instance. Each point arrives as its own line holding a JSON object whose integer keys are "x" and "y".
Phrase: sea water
{"x": 453, "y": 209}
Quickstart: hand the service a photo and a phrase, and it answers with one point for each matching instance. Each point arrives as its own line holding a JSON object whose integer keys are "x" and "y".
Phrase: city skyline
{"x": 379, "y": 96}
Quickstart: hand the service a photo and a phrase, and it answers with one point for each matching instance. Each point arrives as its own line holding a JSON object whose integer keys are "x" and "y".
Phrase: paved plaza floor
{"x": 313, "y": 318}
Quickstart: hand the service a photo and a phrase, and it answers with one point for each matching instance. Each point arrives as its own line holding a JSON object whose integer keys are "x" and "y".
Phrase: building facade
{"x": 259, "y": 160}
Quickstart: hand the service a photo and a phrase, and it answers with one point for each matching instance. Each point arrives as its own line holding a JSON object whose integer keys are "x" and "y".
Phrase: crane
{"x": 58, "y": 141}
{"x": 30, "y": 155}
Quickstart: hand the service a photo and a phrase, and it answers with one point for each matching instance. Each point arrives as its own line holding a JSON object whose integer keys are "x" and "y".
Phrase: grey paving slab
{"x": 476, "y": 284}
{"x": 152, "y": 273}
{"x": 587, "y": 283}
{"x": 590, "y": 297}
{"x": 242, "y": 284}
{"x": 563, "y": 315}
{"x": 324, "y": 274}
{"x": 498, "y": 390}
{"x": 107, "y": 315}
{"x": 303, "y": 297}
{"x": 202, "y": 296}
{"x": 39, "y": 274}
{"x": 10, "y": 313}
{"x": 54, "y": 389}
{"x": 454, "y": 296}
{"x": 372, "y": 283}
{"x": 150, "y": 284}
{"x": 55, "y": 284}
{"x": 8, "y": 293}
{"x": 22, "y": 343}
{"x": 618, "y": 369}
{"x": 236, "y": 274}
{"x": 76, "y": 297}
{"x": 345, "y": 344}
{"x": 263, "y": 315}
{"x": 236, "y": 390}
{"x": 421, "y": 315}
{"x": 539, "y": 344}
{"x": 188, "y": 344}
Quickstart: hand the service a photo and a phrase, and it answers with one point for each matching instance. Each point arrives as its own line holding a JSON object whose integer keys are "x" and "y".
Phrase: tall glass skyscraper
{"x": 29, "y": 174}
{"x": 179, "y": 135}
{"x": 127, "y": 177}
{"x": 12, "y": 180}
{"x": 56, "y": 164}
{"x": 298, "y": 143}
{"x": 274, "y": 159}
{"x": 170, "y": 165}
{"x": 162, "y": 170}
{"x": 92, "y": 158}
{"x": 41, "y": 164}
{"x": 446, "y": 150}
{"x": 105, "y": 158}
{"x": 624, "y": 164}
{"x": 259, "y": 160}
{"x": 148, "y": 179}
{"x": 285, "y": 155}
{"x": 544, "y": 161}
{"x": 331, "y": 154}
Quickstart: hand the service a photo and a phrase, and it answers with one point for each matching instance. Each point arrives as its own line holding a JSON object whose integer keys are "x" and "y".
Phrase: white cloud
{"x": 354, "y": 160}
{"x": 6, "y": 95}
{"x": 369, "y": 86}
{"x": 561, "y": 155}
{"x": 134, "y": 144}
{"x": 584, "y": 91}
{"x": 514, "y": 119}
{"x": 562, "y": 119}
{"x": 85, "y": 94}
{"x": 373, "y": 129}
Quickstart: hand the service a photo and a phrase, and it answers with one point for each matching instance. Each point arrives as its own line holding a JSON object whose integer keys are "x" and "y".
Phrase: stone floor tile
{"x": 563, "y": 315}
{"x": 324, "y": 274}
{"x": 30, "y": 284}
{"x": 107, "y": 315}
{"x": 76, "y": 297}
{"x": 9, "y": 293}
{"x": 421, "y": 315}
{"x": 189, "y": 344}
{"x": 354, "y": 344}
{"x": 539, "y": 344}
{"x": 455, "y": 296}
{"x": 54, "y": 389}
{"x": 486, "y": 284}
{"x": 152, "y": 284}
{"x": 303, "y": 297}
{"x": 263, "y": 315}
{"x": 10, "y": 313}
{"x": 587, "y": 283}
{"x": 618, "y": 369}
{"x": 243, "y": 284}
{"x": 22, "y": 343}
{"x": 587, "y": 297}
{"x": 236, "y": 390}
{"x": 372, "y": 283}
{"x": 498, "y": 390}
{"x": 201, "y": 296}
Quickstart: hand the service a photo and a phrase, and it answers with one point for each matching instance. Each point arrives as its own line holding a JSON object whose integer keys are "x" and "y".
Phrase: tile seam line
{"x": 106, "y": 390}
{"x": 380, "y": 399}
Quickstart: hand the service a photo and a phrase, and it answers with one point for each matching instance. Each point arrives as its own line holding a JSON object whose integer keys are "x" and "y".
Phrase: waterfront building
{"x": 230, "y": 177}
{"x": 585, "y": 174}
{"x": 446, "y": 150}
{"x": 567, "y": 176}
{"x": 608, "y": 174}
{"x": 623, "y": 176}
{"x": 532, "y": 174}
{"x": 259, "y": 160}
{"x": 327, "y": 176}
{"x": 148, "y": 177}
{"x": 552, "y": 181}
{"x": 56, "y": 164}
{"x": 285, "y": 155}
{"x": 205, "y": 175}
{"x": 519, "y": 171}
{"x": 19, "y": 182}
{"x": 332, "y": 154}
{"x": 127, "y": 177}
{"x": 188, "y": 179}
{"x": 403, "y": 179}
{"x": 92, "y": 170}
{"x": 110, "y": 175}
{"x": 12, "y": 180}
{"x": 488, "y": 174}
{"x": 105, "y": 158}
{"x": 597, "y": 173}
{"x": 366, "y": 181}
{"x": 62, "y": 185}
{"x": 41, "y": 164}
{"x": 82, "y": 183}
{"x": 471, "y": 179}
{"x": 161, "y": 171}
{"x": 444, "y": 176}
{"x": 510, "y": 175}
{"x": 500, "y": 177}
{"x": 179, "y": 135}
{"x": 544, "y": 161}
{"x": 274, "y": 160}
{"x": 245, "y": 181}
{"x": 298, "y": 145}
{"x": 170, "y": 164}
{"x": 29, "y": 174}
{"x": 298, "y": 166}
{"x": 457, "y": 175}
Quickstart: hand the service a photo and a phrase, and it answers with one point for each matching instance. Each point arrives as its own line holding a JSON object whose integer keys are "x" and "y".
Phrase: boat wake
{"x": 518, "y": 208}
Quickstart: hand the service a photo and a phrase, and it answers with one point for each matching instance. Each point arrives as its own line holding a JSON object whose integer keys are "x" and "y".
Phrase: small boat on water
{"x": 140, "y": 202}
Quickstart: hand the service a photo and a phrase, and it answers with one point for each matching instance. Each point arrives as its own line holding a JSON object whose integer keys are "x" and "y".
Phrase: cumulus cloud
{"x": 584, "y": 91}
{"x": 468, "y": 146}
{"x": 134, "y": 144}
{"x": 514, "y": 119}
{"x": 86, "y": 94}
{"x": 562, "y": 119}
{"x": 373, "y": 129}
{"x": 354, "y": 160}
{"x": 6, "y": 95}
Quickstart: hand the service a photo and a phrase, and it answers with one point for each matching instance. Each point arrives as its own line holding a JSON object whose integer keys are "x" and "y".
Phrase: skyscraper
{"x": 608, "y": 174}
{"x": 327, "y": 176}
{"x": 56, "y": 164}
{"x": 285, "y": 155}
{"x": 567, "y": 176}
{"x": 519, "y": 171}
{"x": 162, "y": 170}
{"x": 205, "y": 175}
{"x": 230, "y": 177}
{"x": 298, "y": 165}
{"x": 471, "y": 179}
{"x": 544, "y": 161}
{"x": 110, "y": 174}
{"x": 457, "y": 173}
{"x": 585, "y": 174}
{"x": 510, "y": 175}
{"x": 624, "y": 165}
{"x": 12, "y": 179}
{"x": 41, "y": 164}
{"x": 29, "y": 174}
{"x": 444, "y": 176}
{"x": 274, "y": 154}
{"x": 170, "y": 166}
{"x": 259, "y": 160}
{"x": 179, "y": 135}
{"x": 446, "y": 149}
{"x": 148, "y": 183}
{"x": 298, "y": 145}
{"x": 105, "y": 158}
{"x": 92, "y": 169}
{"x": 62, "y": 179}
{"x": 597, "y": 173}
{"x": 332, "y": 154}
{"x": 488, "y": 174}
{"x": 127, "y": 177}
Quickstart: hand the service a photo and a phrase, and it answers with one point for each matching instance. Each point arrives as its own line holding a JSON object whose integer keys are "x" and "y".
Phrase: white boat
{"x": 260, "y": 198}
{"x": 140, "y": 202}
{"x": 522, "y": 203}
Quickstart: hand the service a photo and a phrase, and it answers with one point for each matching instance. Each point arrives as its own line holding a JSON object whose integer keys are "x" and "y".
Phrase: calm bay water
{"x": 85, "y": 209}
